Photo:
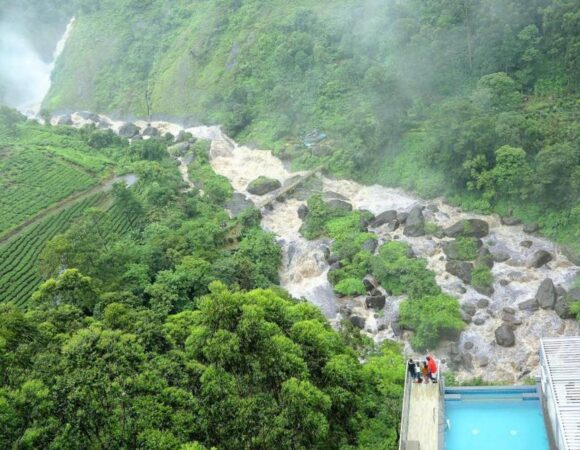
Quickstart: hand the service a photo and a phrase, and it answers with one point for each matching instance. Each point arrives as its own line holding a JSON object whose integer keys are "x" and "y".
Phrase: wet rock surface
{"x": 460, "y": 269}
{"x": 383, "y": 218}
{"x": 546, "y": 295}
{"x": 504, "y": 336}
{"x": 540, "y": 258}
{"x": 128, "y": 130}
{"x": 376, "y": 302}
{"x": 263, "y": 185}
{"x": 415, "y": 222}
{"x": 468, "y": 228}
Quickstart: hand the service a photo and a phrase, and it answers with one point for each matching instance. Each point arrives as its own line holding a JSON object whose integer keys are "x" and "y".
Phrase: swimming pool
{"x": 494, "y": 419}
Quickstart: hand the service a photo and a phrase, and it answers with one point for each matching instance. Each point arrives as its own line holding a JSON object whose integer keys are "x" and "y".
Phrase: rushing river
{"x": 304, "y": 269}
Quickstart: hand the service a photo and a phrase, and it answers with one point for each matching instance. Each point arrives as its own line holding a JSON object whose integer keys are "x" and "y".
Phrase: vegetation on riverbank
{"x": 477, "y": 101}
{"x": 176, "y": 325}
{"x": 431, "y": 314}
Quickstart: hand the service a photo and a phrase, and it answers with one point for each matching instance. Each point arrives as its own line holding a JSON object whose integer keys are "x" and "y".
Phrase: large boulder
{"x": 483, "y": 303}
{"x": 453, "y": 250}
{"x": 64, "y": 120}
{"x": 540, "y": 258}
{"x": 460, "y": 269}
{"x": 383, "y": 218}
{"x": 370, "y": 245}
{"x": 510, "y": 221}
{"x": 529, "y": 305}
{"x": 527, "y": 243}
{"x": 375, "y": 302}
{"x": 531, "y": 228}
{"x": 128, "y": 130}
{"x": 415, "y": 223}
{"x": 358, "y": 321}
{"x": 469, "y": 308}
{"x": 366, "y": 218}
{"x": 150, "y": 131}
{"x": 504, "y": 336}
{"x": 402, "y": 217}
{"x": 369, "y": 283}
{"x": 262, "y": 185}
{"x": 302, "y": 211}
{"x": 485, "y": 290}
{"x": 339, "y": 204}
{"x": 500, "y": 256}
{"x": 238, "y": 203}
{"x": 484, "y": 257}
{"x": 546, "y": 295}
{"x": 469, "y": 228}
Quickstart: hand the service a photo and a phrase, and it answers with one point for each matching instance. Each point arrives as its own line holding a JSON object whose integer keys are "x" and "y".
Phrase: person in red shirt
{"x": 432, "y": 366}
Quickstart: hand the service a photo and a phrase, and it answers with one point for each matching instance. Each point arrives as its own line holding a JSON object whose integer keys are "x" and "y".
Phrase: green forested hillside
{"x": 158, "y": 324}
{"x": 431, "y": 91}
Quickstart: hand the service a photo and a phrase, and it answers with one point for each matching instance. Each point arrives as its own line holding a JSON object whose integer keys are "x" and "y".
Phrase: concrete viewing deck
{"x": 424, "y": 411}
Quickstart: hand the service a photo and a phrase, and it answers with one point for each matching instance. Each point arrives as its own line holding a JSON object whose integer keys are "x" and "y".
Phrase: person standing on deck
{"x": 411, "y": 368}
{"x": 425, "y": 373}
{"x": 432, "y": 366}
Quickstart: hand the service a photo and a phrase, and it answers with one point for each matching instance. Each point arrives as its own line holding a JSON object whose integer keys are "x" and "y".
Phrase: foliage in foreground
{"x": 242, "y": 370}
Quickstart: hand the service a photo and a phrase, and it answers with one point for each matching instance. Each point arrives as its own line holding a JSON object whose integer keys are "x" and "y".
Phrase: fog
{"x": 24, "y": 76}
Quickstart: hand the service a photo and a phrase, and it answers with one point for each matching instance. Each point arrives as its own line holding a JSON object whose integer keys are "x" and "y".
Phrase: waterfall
{"x": 25, "y": 77}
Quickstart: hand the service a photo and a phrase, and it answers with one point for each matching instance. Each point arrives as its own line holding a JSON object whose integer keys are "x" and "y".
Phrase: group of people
{"x": 423, "y": 372}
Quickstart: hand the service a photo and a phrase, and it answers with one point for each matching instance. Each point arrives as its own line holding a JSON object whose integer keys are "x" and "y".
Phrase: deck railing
{"x": 407, "y": 402}
{"x": 405, "y": 410}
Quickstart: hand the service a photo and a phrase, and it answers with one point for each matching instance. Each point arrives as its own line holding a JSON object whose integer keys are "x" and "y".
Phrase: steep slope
{"x": 417, "y": 94}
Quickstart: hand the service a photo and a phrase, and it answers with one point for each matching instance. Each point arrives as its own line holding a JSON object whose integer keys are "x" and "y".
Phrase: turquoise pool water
{"x": 494, "y": 420}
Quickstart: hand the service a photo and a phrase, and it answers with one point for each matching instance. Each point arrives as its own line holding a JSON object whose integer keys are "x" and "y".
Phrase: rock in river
{"x": 540, "y": 258}
{"x": 531, "y": 228}
{"x": 358, "y": 321}
{"x": 546, "y": 295}
{"x": 383, "y": 218}
{"x": 369, "y": 283}
{"x": 415, "y": 223}
{"x": 469, "y": 228}
{"x": 377, "y": 302}
{"x": 529, "y": 305}
{"x": 262, "y": 185}
{"x": 460, "y": 269}
{"x": 336, "y": 203}
{"x": 510, "y": 221}
{"x": 504, "y": 336}
{"x": 128, "y": 130}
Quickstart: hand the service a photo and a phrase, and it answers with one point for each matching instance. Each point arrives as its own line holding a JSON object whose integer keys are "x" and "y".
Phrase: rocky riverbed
{"x": 503, "y": 323}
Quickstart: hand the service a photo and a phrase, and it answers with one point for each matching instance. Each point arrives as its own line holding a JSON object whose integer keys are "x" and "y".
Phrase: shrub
{"x": 400, "y": 274}
{"x": 481, "y": 277}
{"x": 432, "y": 318}
{"x": 350, "y": 286}
{"x": 466, "y": 248}
{"x": 319, "y": 214}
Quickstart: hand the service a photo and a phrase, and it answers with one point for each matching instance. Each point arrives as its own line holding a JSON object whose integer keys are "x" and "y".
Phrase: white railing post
{"x": 405, "y": 408}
